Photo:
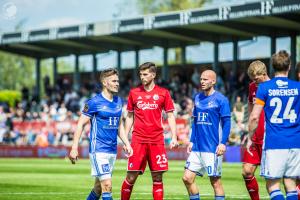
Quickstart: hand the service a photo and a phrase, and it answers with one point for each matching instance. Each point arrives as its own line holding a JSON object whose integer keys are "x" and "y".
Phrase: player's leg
{"x": 250, "y": 161}
{"x": 298, "y": 187}
{"x": 136, "y": 165}
{"x": 157, "y": 188}
{"x": 216, "y": 183}
{"x": 273, "y": 167}
{"x": 128, "y": 183}
{"x": 273, "y": 188}
{"x": 106, "y": 189}
{"x": 158, "y": 163}
{"x": 194, "y": 166}
{"x": 291, "y": 173}
{"x": 213, "y": 166}
{"x": 290, "y": 188}
{"x": 96, "y": 191}
{"x": 189, "y": 182}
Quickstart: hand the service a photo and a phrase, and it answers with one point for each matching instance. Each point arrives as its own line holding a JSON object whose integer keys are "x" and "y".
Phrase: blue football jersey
{"x": 281, "y": 100}
{"x": 207, "y": 128}
{"x": 105, "y": 117}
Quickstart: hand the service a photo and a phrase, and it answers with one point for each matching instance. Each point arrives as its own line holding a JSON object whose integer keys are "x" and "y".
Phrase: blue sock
{"x": 219, "y": 197}
{"x": 276, "y": 195}
{"x": 93, "y": 196}
{"x": 106, "y": 196}
{"x": 195, "y": 197}
{"x": 292, "y": 195}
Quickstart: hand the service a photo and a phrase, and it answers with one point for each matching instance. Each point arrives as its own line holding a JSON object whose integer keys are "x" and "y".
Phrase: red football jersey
{"x": 258, "y": 136}
{"x": 147, "y": 107}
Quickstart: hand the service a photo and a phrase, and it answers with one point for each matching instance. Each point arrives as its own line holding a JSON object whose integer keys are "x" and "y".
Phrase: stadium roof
{"x": 174, "y": 29}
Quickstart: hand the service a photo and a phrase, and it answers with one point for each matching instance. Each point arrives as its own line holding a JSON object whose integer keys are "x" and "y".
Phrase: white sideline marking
{"x": 140, "y": 193}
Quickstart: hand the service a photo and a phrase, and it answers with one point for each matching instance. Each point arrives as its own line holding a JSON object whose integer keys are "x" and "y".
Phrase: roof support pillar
{"x": 95, "y": 63}
{"x": 292, "y": 73}
{"x": 183, "y": 55}
{"x": 76, "y": 75}
{"x": 54, "y": 70}
{"x": 119, "y": 67}
{"x": 137, "y": 62}
{"x": 273, "y": 50}
{"x": 235, "y": 56}
{"x": 165, "y": 68}
{"x": 37, "y": 93}
{"x": 216, "y": 58}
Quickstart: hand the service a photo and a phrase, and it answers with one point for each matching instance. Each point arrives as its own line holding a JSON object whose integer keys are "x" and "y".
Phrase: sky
{"x": 38, "y": 14}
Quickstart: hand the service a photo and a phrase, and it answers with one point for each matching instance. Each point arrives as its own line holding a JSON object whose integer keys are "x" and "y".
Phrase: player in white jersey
{"x": 103, "y": 112}
{"x": 280, "y": 100}
{"x": 210, "y": 130}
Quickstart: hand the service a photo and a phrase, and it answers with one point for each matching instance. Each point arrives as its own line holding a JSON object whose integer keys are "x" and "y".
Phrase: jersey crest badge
{"x": 155, "y": 97}
{"x": 86, "y": 108}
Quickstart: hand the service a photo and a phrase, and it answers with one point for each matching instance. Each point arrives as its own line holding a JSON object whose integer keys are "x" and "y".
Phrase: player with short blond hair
{"x": 257, "y": 72}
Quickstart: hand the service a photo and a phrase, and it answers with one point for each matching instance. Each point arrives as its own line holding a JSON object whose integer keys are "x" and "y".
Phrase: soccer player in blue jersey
{"x": 280, "y": 100}
{"x": 104, "y": 113}
{"x": 210, "y": 131}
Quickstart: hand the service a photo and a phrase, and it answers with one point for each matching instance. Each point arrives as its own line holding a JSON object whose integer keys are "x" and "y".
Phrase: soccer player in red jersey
{"x": 257, "y": 72}
{"x": 145, "y": 106}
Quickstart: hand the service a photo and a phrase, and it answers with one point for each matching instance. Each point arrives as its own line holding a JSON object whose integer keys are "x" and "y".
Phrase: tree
{"x": 154, "y": 6}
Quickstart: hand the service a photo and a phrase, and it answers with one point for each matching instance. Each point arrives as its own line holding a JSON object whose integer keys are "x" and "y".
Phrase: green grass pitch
{"x": 57, "y": 179}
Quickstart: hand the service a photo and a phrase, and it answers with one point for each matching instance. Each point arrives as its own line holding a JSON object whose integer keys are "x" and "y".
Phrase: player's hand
{"x": 174, "y": 143}
{"x": 73, "y": 155}
{"x": 128, "y": 150}
{"x": 221, "y": 148}
{"x": 189, "y": 148}
{"x": 248, "y": 146}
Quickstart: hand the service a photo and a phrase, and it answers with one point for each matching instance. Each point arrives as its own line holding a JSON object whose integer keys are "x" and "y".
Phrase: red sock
{"x": 158, "y": 191}
{"x": 252, "y": 187}
{"x": 126, "y": 190}
{"x": 298, "y": 190}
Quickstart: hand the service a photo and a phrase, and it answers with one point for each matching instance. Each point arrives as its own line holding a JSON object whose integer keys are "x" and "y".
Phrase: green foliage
{"x": 10, "y": 97}
{"x": 16, "y": 72}
{"x": 154, "y": 6}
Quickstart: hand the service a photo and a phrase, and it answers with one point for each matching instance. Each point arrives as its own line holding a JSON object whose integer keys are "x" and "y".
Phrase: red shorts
{"x": 255, "y": 158}
{"x": 154, "y": 154}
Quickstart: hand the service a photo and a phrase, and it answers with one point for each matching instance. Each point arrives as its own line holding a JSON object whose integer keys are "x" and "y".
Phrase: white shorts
{"x": 280, "y": 163}
{"x": 201, "y": 162}
{"x": 102, "y": 165}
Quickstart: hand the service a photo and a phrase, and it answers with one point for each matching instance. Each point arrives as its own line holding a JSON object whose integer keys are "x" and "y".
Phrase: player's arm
{"x": 128, "y": 123}
{"x": 254, "y": 118}
{"x": 172, "y": 124}
{"x": 124, "y": 137}
{"x": 225, "y": 121}
{"x": 83, "y": 120}
{"x": 192, "y": 138}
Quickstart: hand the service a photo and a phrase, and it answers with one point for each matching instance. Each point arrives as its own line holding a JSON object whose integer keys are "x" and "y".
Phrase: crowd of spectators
{"x": 55, "y": 115}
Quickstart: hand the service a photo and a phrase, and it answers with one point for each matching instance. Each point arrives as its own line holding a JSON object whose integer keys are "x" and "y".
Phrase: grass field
{"x": 57, "y": 179}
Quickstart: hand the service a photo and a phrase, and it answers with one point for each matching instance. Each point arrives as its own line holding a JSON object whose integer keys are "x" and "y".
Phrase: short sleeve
{"x": 89, "y": 108}
{"x": 250, "y": 94}
{"x": 168, "y": 104}
{"x": 130, "y": 102}
{"x": 260, "y": 95}
{"x": 225, "y": 108}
